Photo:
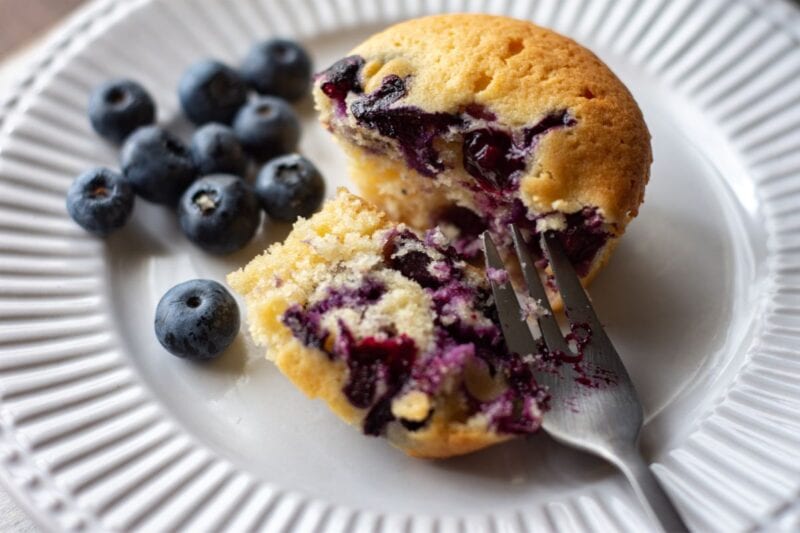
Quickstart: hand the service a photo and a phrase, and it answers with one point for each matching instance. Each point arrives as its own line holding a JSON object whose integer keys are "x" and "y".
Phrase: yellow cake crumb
{"x": 337, "y": 246}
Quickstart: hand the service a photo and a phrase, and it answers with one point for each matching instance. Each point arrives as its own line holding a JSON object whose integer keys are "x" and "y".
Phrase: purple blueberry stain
{"x": 479, "y": 111}
{"x": 382, "y": 367}
{"x": 371, "y": 360}
{"x": 496, "y": 157}
{"x": 413, "y": 264}
{"x": 413, "y": 129}
{"x": 305, "y": 323}
{"x": 386, "y": 365}
{"x": 514, "y": 413}
{"x": 583, "y": 372}
{"x": 550, "y": 122}
{"x": 493, "y": 155}
{"x": 497, "y": 275}
{"x": 582, "y": 237}
{"x": 468, "y": 225}
{"x": 341, "y": 79}
{"x": 466, "y": 220}
{"x": 460, "y": 337}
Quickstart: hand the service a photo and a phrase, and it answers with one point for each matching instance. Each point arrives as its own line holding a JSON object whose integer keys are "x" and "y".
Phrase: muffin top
{"x": 523, "y": 78}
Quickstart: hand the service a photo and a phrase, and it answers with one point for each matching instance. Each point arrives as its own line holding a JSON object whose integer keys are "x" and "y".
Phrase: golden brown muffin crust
{"x": 521, "y": 72}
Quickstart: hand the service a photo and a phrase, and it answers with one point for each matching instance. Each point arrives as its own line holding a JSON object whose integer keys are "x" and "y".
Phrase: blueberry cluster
{"x": 244, "y": 119}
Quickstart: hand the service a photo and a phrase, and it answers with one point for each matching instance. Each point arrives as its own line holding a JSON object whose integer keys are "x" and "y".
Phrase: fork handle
{"x": 649, "y": 491}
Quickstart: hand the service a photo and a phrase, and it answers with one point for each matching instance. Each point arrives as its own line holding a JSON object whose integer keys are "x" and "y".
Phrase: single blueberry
{"x": 118, "y": 107}
{"x": 267, "y": 127}
{"x": 100, "y": 201}
{"x": 289, "y": 187}
{"x": 341, "y": 78}
{"x": 157, "y": 164}
{"x": 216, "y": 150}
{"x": 278, "y": 67}
{"x": 210, "y": 91}
{"x": 491, "y": 157}
{"x": 219, "y": 213}
{"x": 197, "y": 319}
{"x": 413, "y": 264}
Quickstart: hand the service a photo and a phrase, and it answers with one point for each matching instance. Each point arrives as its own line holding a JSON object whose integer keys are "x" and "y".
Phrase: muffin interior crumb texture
{"x": 474, "y": 122}
{"x": 393, "y": 329}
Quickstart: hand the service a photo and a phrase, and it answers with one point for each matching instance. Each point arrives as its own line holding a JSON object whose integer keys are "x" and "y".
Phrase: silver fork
{"x": 604, "y": 420}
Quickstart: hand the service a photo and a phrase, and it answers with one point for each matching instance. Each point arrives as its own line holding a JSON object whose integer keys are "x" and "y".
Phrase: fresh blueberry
{"x": 210, "y": 91}
{"x": 100, "y": 201}
{"x": 157, "y": 164}
{"x": 278, "y": 67}
{"x": 197, "y": 319}
{"x": 219, "y": 213}
{"x": 216, "y": 150}
{"x": 289, "y": 187}
{"x": 118, "y": 107}
{"x": 267, "y": 127}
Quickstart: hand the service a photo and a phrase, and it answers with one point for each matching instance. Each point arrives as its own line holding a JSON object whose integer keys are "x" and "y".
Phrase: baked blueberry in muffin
{"x": 392, "y": 329}
{"x": 472, "y": 122}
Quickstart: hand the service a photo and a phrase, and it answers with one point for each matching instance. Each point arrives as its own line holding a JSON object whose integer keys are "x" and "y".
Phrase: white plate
{"x": 102, "y": 430}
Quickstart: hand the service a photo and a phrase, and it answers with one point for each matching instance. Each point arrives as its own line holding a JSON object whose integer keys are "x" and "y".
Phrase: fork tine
{"x": 576, "y": 302}
{"x": 547, "y": 323}
{"x": 516, "y": 332}
{"x": 607, "y": 420}
{"x": 578, "y": 307}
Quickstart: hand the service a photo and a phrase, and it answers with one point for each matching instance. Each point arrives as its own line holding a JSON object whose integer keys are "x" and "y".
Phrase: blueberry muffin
{"x": 471, "y": 122}
{"x": 392, "y": 329}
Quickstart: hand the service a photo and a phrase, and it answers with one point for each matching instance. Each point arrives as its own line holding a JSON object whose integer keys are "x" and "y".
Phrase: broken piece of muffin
{"x": 392, "y": 329}
{"x": 472, "y": 122}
